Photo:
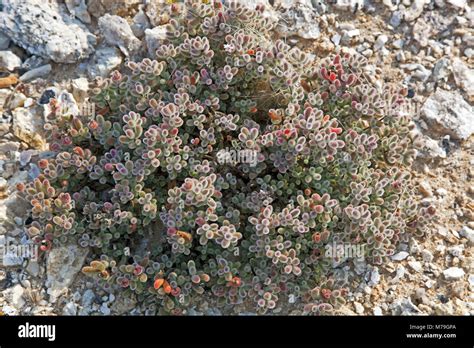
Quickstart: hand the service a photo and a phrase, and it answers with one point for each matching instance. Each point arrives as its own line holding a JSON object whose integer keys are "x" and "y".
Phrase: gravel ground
{"x": 426, "y": 45}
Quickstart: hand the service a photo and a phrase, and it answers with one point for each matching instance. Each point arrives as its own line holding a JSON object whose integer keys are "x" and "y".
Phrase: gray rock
{"x": 62, "y": 265}
{"x": 33, "y": 268}
{"x": 33, "y": 62}
{"x": 453, "y": 273}
{"x": 4, "y": 41}
{"x": 41, "y": 71}
{"x": 404, "y": 307}
{"x": 380, "y": 42}
{"x": 396, "y": 19}
{"x": 117, "y": 32}
{"x": 427, "y": 255}
{"x": 140, "y": 24}
{"x": 78, "y": 8}
{"x": 45, "y": 29}
{"x": 448, "y": 113}
{"x": 103, "y": 62}
{"x": 154, "y": 38}
{"x": 464, "y": 76}
{"x": 104, "y": 309}
{"x": 9, "y": 60}
{"x": 441, "y": 69}
{"x": 374, "y": 277}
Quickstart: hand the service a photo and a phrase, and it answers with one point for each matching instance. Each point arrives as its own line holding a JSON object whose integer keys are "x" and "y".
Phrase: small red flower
{"x": 43, "y": 163}
{"x": 326, "y": 293}
{"x": 45, "y": 245}
{"x": 235, "y": 282}
{"x": 93, "y": 125}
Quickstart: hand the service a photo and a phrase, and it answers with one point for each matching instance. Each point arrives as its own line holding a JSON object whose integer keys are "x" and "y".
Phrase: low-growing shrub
{"x": 154, "y": 185}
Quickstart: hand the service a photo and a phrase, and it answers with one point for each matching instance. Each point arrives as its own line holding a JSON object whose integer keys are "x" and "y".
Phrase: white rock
{"x": 468, "y": 233}
{"x": 429, "y": 283}
{"x": 377, "y": 311}
{"x": 351, "y": 5}
{"x": 300, "y": 19}
{"x": 103, "y": 62}
{"x": 402, "y": 255}
{"x": 70, "y": 309}
{"x": 154, "y": 38}
{"x": 358, "y": 308}
{"x": 9, "y": 60}
{"x": 458, "y": 3}
{"x": 380, "y": 42}
{"x": 415, "y": 10}
{"x": 416, "y": 266}
{"x": 471, "y": 279}
{"x": 352, "y": 33}
{"x": 463, "y": 76}
{"x": 453, "y": 273}
{"x": 117, "y": 32}
{"x": 16, "y": 296}
{"x": 430, "y": 148}
{"x": 441, "y": 192}
{"x": 16, "y": 101}
{"x": 43, "y": 29}
{"x": 80, "y": 87}
{"x": 62, "y": 264}
{"x": 448, "y": 113}
{"x": 418, "y": 71}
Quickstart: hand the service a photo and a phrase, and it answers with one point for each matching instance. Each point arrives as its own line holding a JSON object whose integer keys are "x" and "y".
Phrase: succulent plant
{"x": 140, "y": 183}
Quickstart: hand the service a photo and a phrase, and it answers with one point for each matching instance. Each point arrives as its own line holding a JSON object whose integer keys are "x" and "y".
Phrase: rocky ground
{"x": 427, "y": 45}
